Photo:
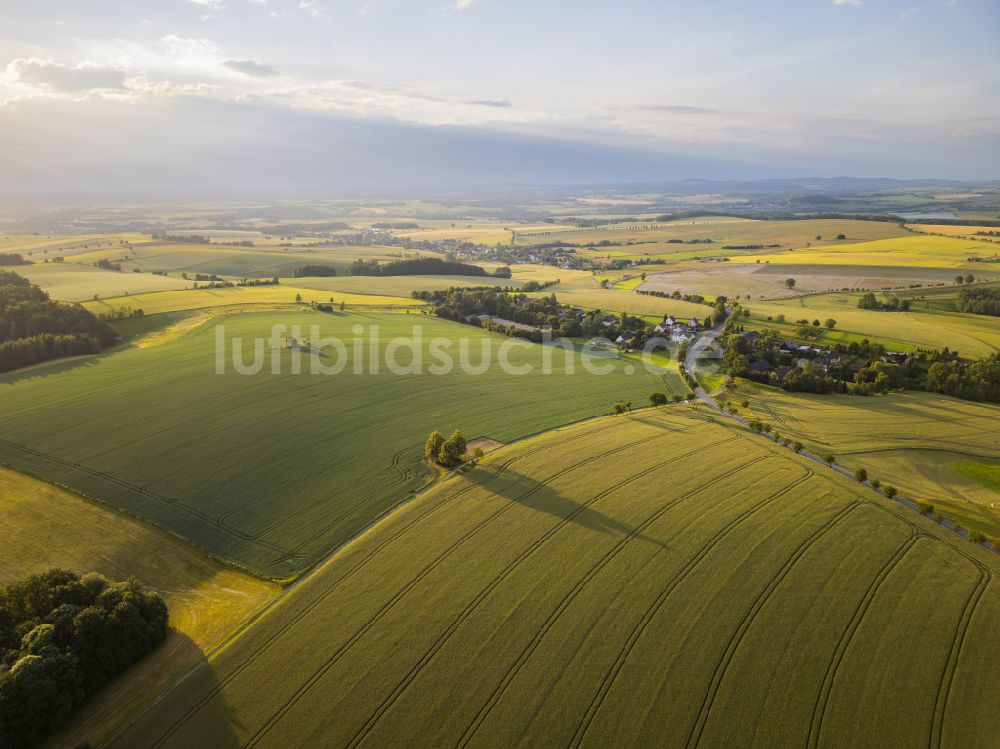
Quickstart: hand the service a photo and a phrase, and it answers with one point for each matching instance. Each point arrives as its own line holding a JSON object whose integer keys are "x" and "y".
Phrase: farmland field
{"x": 968, "y": 334}
{"x": 911, "y": 250}
{"x": 71, "y": 282}
{"x": 766, "y": 280}
{"x": 711, "y": 590}
{"x": 231, "y": 296}
{"x": 274, "y": 470}
{"x": 931, "y": 447}
{"x": 45, "y": 527}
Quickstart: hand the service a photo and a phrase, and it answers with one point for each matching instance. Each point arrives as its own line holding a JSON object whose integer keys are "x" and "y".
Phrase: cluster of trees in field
{"x": 398, "y": 225}
{"x": 693, "y": 298}
{"x": 11, "y": 258}
{"x": 981, "y": 301}
{"x": 421, "y": 266}
{"x": 893, "y": 304}
{"x": 35, "y": 329}
{"x": 976, "y": 381}
{"x": 862, "y": 368}
{"x": 469, "y": 305}
{"x": 63, "y": 637}
{"x": 120, "y": 313}
{"x": 449, "y": 452}
{"x": 317, "y": 271}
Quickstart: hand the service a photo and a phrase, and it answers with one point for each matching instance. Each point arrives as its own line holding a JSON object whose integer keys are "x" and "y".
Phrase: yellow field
{"x": 174, "y": 301}
{"x": 46, "y": 527}
{"x": 910, "y": 440}
{"x": 70, "y": 282}
{"x": 721, "y": 229}
{"x": 940, "y": 252}
{"x": 970, "y": 335}
{"x": 659, "y": 579}
{"x": 583, "y": 290}
{"x": 952, "y": 230}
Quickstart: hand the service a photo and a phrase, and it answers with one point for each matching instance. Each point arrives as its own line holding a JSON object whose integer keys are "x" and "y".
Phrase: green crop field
{"x": 45, "y": 527}
{"x": 273, "y": 470}
{"x": 931, "y": 447}
{"x": 656, "y": 579}
{"x": 237, "y": 296}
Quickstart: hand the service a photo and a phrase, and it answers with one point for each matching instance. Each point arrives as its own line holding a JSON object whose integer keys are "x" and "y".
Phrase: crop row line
{"x": 320, "y": 598}
{"x": 512, "y": 566}
{"x": 694, "y": 736}
{"x": 640, "y": 627}
{"x": 440, "y": 559}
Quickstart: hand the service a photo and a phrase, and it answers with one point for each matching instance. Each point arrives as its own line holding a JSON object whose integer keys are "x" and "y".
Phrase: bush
{"x": 861, "y": 475}
{"x": 977, "y": 537}
{"x": 876, "y": 483}
{"x": 797, "y": 446}
{"x": 926, "y": 508}
{"x": 889, "y": 491}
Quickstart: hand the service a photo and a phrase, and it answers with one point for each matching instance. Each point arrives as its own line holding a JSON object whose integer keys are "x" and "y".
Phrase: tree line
{"x": 421, "y": 266}
{"x": 63, "y": 637}
{"x": 34, "y": 328}
{"x": 982, "y": 301}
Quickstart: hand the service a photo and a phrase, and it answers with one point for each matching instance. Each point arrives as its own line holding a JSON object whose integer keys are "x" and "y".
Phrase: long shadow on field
{"x": 528, "y": 492}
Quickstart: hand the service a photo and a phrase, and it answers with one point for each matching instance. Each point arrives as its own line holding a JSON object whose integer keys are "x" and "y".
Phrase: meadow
{"x": 713, "y": 589}
{"x": 274, "y": 470}
{"x": 930, "y": 447}
{"x": 45, "y": 526}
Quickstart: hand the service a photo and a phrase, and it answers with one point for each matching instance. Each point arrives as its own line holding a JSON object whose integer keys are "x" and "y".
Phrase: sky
{"x": 307, "y": 96}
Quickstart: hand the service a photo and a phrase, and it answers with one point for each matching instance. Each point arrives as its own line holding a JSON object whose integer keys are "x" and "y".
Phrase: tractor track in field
{"x": 484, "y": 593}
{"x": 826, "y": 688}
{"x": 329, "y": 589}
{"x": 604, "y": 688}
{"x": 954, "y": 654}
{"x": 694, "y": 736}
{"x": 440, "y": 559}
{"x": 174, "y": 503}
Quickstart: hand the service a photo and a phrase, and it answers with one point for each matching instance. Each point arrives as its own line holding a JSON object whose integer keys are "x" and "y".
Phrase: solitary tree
{"x": 830, "y": 323}
{"x": 658, "y": 399}
{"x": 959, "y": 280}
{"x": 890, "y": 491}
{"x": 790, "y": 283}
{"x": 432, "y": 447}
{"x": 841, "y": 236}
{"x": 342, "y": 305}
{"x": 298, "y": 297}
{"x": 969, "y": 278}
{"x": 830, "y": 460}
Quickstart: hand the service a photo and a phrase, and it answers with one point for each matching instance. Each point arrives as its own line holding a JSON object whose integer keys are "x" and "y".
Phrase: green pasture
{"x": 274, "y": 470}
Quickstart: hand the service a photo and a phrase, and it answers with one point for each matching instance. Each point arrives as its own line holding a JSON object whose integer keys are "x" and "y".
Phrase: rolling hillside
{"x": 661, "y": 578}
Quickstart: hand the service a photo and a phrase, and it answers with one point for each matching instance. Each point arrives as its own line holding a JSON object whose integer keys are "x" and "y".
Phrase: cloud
{"x": 675, "y": 109}
{"x": 463, "y": 4}
{"x": 499, "y": 103}
{"x": 213, "y": 4}
{"x": 57, "y": 77}
{"x": 252, "y": 68}
{"x": 847, "y": 2}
